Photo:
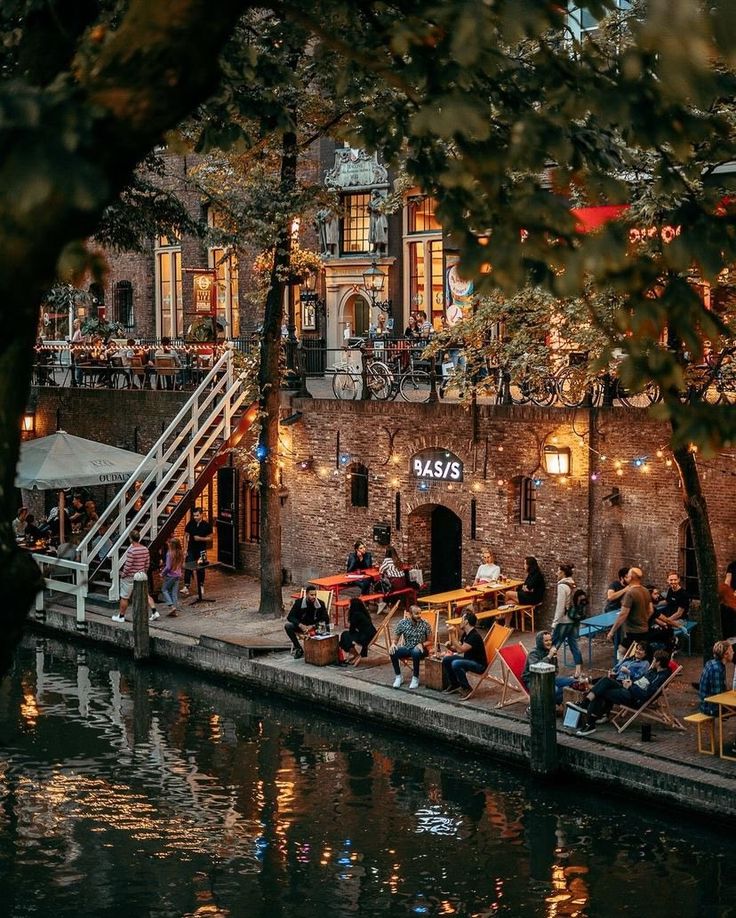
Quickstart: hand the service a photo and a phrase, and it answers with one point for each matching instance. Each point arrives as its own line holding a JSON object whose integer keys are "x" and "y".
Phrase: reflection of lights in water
{"x": 446, "y": 908}
{"x": 569, "y": 892}
{"x": 215, "y": 728}
{"x": 431, "y": 819}
{"x": 29, "y": 709}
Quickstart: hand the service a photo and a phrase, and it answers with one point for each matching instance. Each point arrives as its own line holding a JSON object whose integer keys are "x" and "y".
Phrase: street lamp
{"x": 373, "y": 281}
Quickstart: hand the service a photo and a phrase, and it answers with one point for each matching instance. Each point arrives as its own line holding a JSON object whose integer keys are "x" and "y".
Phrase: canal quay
{"x": 218, "y": 641}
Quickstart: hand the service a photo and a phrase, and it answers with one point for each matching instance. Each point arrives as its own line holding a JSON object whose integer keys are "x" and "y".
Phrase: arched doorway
{"x": 356, "y": 314}
{"x": 435, "y": 538}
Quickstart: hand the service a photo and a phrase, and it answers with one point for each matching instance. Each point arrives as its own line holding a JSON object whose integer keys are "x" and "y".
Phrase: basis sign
{"x": 436, "y": 465}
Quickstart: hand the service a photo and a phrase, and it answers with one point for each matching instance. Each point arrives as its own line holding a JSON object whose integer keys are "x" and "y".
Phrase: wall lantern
{"x": 557, "y": 460}
{"x": 28, "y": 425}
{"x": 310, "y": 281}
{"x": 373, "y": 279}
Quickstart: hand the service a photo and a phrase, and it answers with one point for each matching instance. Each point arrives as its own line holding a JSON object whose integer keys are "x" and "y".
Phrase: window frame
{"x": 358, "y": 478}
{"x": 354, "y": 225}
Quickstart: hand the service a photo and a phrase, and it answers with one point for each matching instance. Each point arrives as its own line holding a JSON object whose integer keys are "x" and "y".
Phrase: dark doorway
{"x": 227, "y": 516}
{"x": 447, "y": 537}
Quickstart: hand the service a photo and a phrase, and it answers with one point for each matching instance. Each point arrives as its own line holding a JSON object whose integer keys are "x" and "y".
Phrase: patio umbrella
{"x": 63, "y": 461}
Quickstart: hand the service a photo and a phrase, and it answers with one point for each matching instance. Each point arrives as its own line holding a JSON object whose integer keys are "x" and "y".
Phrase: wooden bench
{"x": 703, "y": 720}
{"x": 408, "y": 594}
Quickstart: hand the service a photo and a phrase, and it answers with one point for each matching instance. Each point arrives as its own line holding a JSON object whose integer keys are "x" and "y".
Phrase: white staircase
{"x": 197, "y": 433}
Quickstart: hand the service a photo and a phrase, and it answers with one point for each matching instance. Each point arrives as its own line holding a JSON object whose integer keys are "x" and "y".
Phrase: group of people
{"x": 177, "y": 565}
{"x": 79, "y": 517}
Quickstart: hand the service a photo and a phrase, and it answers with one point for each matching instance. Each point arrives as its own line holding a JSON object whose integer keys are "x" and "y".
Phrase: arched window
{"x": 123, "y": 303}
{"x": 358, "y": 485}
{"x": 688, "y": 564}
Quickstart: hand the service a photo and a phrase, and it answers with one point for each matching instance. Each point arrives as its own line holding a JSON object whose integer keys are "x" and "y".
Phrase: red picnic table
{"x": 336, "y": 582}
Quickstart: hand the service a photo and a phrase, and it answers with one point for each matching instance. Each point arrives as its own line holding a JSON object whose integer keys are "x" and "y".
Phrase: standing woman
{"x": 531, "y": 592}
{"x": 171, "y": 573}
{"x": 564, "y": 629}
{"x": 360, "y": 632}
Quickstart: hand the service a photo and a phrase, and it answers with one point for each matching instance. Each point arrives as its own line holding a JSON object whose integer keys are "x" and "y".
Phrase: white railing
{"x": 204, "y": 421}
{"x": 63, "y": 576}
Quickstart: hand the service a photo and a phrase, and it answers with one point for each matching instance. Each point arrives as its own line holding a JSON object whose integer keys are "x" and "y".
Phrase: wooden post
{"x": 139, "y": 602}
{"x": 543, "y": 739}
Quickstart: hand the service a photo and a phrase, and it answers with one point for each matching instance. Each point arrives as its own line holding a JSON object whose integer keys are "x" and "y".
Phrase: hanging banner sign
{"x": 205, "y": 293}
{"x": 436, "y": 465}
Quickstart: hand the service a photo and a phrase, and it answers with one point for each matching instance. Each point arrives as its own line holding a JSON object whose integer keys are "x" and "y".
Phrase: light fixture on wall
{"x": 305, "y": 465}
{"x": 28, "y": 425}
{"x": 557, "y": 460}
{"x": 373, "y": 281}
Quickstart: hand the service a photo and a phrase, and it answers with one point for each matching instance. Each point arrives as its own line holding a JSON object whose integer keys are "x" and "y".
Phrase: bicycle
{"x": 575, "y": 388}
{"x": 347, "y": 380}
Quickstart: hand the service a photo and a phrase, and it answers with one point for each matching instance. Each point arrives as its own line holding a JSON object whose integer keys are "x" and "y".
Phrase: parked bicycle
{"x": 385, "y": 378}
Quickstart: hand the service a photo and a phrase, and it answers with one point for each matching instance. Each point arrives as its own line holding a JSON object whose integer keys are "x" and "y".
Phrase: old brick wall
{"x": 573, "y": 522}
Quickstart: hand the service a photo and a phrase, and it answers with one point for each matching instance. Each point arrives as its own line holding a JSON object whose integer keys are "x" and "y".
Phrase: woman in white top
{"x": 488, "y": 570}
{"x": 391, "y": 568}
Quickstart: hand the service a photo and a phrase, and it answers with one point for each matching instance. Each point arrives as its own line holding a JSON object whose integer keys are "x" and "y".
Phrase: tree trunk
{"x": 269, "y": 383}
{"x": 705, "y": 552}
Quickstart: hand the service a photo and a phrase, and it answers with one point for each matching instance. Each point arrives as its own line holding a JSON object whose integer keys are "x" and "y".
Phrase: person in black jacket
{"x": 532, "y": 590}
{"x": 360, "y": 559}
{"x": 360, "y": 632}
{"x": 305, "y": 614}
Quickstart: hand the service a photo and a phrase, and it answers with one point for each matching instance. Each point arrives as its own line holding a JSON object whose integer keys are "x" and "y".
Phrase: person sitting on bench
{"x": 607, "y": 692}
{"x": 305, "y": 614}
{"x": 531, "y": 592}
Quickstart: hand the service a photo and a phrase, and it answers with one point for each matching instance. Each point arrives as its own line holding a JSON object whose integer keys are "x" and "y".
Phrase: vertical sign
{"x": 205, "y": 293}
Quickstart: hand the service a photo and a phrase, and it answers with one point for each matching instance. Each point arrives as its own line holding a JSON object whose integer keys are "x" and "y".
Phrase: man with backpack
{"x": 571, "y": 608}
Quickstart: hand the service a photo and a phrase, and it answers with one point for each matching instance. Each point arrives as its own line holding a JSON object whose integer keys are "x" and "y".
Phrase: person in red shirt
{"x": 136, "y": 560}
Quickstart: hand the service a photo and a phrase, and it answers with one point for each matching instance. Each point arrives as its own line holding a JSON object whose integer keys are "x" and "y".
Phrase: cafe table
{"x": 468, "y": 594}
{"x": 336, "y": 582}
{"x": 726, "y": 702}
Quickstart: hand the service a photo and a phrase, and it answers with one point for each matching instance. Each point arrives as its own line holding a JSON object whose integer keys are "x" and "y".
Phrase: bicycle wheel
{"x": 345, "y": 385}
{"x": 415, "y": 386}
{"x": 572, "y": 386}
{"x": 543, "y": 391}
{"x": 648, "y": 396}
{"x": 380, "y": 380}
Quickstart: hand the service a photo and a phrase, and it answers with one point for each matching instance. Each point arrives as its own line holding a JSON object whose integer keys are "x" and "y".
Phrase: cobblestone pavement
{"x": 233, "y": 617}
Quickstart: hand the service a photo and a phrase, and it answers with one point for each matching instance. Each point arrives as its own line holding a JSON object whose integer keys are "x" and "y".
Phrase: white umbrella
{"x": 63, "y": 461}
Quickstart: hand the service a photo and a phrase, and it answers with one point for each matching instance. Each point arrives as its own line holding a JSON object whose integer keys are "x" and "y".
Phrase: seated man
{"x": 544, "y": 651}
{"x": 469, "y": 656}
{"x": 304, "y": 616}
{"x": 633, "y": 693}
{"x": 416, "y": 636}
{"x": 713, "y": 678}
{"x": 360, "y": 559}
{"x": 633, "y": 667}
{"x": 676, "y": 600}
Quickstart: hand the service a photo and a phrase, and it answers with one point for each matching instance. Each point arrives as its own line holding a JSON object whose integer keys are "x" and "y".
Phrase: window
{"x": 358, "y": 485}
{"x": 252, "y": 504}
{"x": 169, "y": 301}
{"x": 355, "y": 224}
{"x": 97, "y": 294}
{"x": 688, "y": 564}
{"x": 123, "y": 303}
{"x": 525, "y": 500}
{"x": 225, "y": 264}
{"x": 583, "y": 24}
{"x": 420, "y": 215}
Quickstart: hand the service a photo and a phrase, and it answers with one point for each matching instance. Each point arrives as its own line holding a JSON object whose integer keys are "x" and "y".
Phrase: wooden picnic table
{"x": 726, "y": 702}
{"x": 469, "y": 594}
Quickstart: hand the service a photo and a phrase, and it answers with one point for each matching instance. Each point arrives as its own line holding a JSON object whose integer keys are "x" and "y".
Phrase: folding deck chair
{"x": 513, "y": 660}
{"x": 497, "y": 636}
{"x": 656, "y": 708}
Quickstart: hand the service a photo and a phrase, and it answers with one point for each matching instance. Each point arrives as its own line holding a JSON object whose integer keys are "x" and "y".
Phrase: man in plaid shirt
{"x": 415, "y": 634}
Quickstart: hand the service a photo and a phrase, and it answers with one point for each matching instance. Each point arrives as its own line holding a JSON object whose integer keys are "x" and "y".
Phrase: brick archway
{"x": 435, "y": 541}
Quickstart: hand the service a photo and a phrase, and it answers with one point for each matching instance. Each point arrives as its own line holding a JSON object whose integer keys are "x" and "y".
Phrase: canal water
{"x": 153, "y": 793}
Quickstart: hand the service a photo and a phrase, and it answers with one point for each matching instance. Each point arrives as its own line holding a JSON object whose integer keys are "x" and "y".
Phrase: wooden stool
{"x": 321, "y": 651}
{"x": 701, "y": 720}
{"x": 434, "y": 674}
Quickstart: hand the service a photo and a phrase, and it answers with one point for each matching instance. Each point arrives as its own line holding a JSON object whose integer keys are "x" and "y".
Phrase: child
{"x": 173, "y": 566}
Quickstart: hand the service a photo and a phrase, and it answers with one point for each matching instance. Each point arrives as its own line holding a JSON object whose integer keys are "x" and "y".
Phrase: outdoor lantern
{"x": 310, "y": 281}
{"x": 557, "y": 460}
{"x": 28, "y": 425}
{"x": 373, "y": 279}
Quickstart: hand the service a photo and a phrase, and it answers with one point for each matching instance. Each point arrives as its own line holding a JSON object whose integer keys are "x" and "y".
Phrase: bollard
{"x": 543, "y": 720}
{"x": 139, "y": 602}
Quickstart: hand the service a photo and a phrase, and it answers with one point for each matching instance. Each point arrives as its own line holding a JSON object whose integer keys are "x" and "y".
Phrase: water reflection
{"x": 148, "y": 793}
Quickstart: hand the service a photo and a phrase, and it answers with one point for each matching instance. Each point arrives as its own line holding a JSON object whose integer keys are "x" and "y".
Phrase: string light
{"x": 595, "y": 476}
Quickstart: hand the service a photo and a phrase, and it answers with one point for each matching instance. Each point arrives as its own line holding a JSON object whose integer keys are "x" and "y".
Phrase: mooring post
{"x": 543, "y": 720}
{"x": 139, "y": 602}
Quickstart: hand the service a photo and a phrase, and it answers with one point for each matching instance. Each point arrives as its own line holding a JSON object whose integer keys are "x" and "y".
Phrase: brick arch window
{"x": 688, "y": 564}
{"x": 123, "y": 303}
{"x": 358, "y": 485}
{"x": 525, "y": 500}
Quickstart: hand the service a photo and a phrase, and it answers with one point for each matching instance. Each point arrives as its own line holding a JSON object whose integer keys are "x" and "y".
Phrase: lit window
{"x": 123, "y": 303}
{"x": 355, "y": 223}
{"x": 252, "y": 505}
{"x": 169, "y": 301}
{"x": 421, "y": 215}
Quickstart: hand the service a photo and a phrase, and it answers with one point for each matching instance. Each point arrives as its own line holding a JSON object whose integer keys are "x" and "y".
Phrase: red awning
{"x": 589, "y": 219}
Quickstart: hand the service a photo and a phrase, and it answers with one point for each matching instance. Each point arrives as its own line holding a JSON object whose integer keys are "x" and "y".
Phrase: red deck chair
{"x": 493, "y": 642}
{"x": 513, "y": 660}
